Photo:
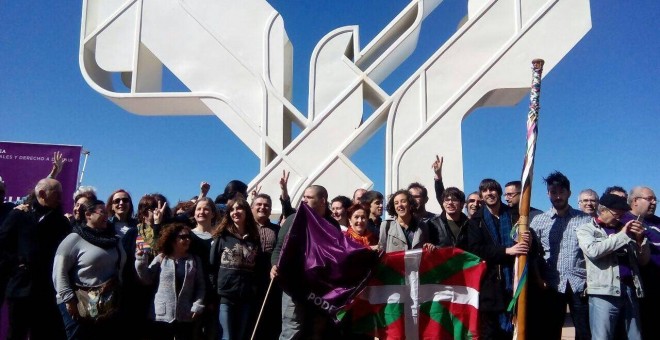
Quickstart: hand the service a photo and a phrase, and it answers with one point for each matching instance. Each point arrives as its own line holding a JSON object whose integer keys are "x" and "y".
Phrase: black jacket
{"x": 493, "y": 296}
{"x": 28, "y": 242}
{"x": 440, "y": 234}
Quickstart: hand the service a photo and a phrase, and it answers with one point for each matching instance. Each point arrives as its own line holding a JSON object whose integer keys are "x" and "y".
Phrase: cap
{"x": 612, "y": 201}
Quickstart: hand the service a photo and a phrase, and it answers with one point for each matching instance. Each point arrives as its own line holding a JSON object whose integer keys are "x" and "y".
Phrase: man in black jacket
{"x": 489, "y": 237}
{"x": 450, "y": 228}
{"x": 28, "y": 241}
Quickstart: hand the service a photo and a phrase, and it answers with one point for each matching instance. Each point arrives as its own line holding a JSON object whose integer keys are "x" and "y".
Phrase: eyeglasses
{"x": 616, "y": 214}
{"x": 121, "y": 200}
{"x": 473, "y": 200}
{"x": 185, "y": 237}
{"x": 588, "y": 201}
{"x": 648, "y": 198}
{"x": 511, "y": 194}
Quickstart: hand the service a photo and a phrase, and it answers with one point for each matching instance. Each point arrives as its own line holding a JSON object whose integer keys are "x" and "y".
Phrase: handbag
{"x": 98, "y": 302}
{"x": 101, "y": 301}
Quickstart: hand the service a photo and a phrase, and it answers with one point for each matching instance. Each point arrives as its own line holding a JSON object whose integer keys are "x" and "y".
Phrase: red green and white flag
{"x": 421, "y": 295}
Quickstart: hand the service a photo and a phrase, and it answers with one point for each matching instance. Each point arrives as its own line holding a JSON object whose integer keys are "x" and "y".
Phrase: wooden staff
{"x": 256, "y": 325}
{"x": 525, "y": 198}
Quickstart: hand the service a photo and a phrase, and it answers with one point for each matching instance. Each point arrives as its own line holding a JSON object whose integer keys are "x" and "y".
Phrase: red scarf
{"x": 368, "y": 239}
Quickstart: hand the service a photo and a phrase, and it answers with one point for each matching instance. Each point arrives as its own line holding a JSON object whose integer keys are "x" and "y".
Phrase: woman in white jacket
{"x": 179, "y": 280}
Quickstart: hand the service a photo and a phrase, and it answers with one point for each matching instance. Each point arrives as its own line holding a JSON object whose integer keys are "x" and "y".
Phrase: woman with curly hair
{"x": 179, "y": 281}
{"x": 233, "y": 257}
{"x": 405, "y": 232}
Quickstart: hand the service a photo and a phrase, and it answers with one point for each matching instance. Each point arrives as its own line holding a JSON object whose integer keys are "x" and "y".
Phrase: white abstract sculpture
{"x": 236, "y": 60}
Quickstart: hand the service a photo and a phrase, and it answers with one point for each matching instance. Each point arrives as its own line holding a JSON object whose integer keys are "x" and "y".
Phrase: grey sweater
{"x": 80, "y": 263}
{"x": 168, "y": 306}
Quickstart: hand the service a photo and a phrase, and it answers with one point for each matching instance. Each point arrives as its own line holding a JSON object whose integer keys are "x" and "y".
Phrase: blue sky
{"x": 599, "y": 117}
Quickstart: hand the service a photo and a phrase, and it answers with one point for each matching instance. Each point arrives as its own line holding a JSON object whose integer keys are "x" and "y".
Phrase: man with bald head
{"x": 642, "y": 201}
{"x": 28, "y": 241}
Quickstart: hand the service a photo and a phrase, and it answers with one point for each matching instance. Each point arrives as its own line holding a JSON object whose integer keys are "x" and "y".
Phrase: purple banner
{"x": 320, "y": 265}
{"x": 22, "y": 165}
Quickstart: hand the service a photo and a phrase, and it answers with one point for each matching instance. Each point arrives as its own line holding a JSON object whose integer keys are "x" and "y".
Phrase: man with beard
{"x": 643, "y": 202}
{"x": 421, "y": 196}
{"x": 588, "y": 202}
{"x": 563, "y": 271}
{"x": 489, "y": 237}
{"x": 472, "y": 204}
{"x": 512, "y": 191}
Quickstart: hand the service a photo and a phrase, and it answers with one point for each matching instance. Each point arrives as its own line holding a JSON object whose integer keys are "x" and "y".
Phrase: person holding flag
{"x": 489, "y": 237}
{"x": 319, "y": 269}
{"x": 297, "y": 318}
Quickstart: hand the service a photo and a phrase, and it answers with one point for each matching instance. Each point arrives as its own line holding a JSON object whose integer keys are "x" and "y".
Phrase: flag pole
{"x": 82, "y": 173}
{"x": 256, "y": 325}
{"x": 526, "y": 195}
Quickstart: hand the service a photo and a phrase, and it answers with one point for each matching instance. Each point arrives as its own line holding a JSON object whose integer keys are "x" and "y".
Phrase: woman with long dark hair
{"x": 233, "y": 257}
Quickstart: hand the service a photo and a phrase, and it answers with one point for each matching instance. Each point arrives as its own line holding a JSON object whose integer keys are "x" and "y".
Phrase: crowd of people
{"x": 207, "y": 269}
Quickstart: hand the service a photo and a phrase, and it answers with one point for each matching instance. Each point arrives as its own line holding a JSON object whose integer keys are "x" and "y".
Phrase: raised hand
{"x": 255, "y": 192}
{"x": 284, "y": 180}
{"x": 57, "y": 164}
{"x": 437, "y": 166}
{"x": 159, "y": 212}
{"x": 204, "y": 188}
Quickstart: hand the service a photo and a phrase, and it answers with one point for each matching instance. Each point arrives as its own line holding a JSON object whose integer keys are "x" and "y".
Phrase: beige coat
{"x": 392, "y": 238}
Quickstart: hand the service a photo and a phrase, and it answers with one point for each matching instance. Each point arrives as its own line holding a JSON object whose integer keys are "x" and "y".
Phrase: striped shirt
{"x": 564, "y": 261}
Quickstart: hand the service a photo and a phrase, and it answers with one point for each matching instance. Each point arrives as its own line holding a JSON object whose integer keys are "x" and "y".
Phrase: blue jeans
{"x": 606, "y": 311}
{"x": 234, "y": 321}
{"x": 292, "y": 318}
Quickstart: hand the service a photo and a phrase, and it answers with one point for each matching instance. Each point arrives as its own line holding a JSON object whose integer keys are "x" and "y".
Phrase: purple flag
{"x": 320, "y": 265}
{"x": 22, "y": 165}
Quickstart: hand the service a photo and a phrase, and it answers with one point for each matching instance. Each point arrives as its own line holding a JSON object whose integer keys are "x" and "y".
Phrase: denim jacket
{"x": 602, "y": 264}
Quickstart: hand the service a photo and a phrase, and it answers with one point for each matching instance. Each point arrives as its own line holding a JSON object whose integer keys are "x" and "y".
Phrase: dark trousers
{"x": 489, "y": 327}
{"x": 169, "y": 331}
{"x": 37, "y": 316}
{"x": 108, "y": 329}
{"x": 556, "y": 313}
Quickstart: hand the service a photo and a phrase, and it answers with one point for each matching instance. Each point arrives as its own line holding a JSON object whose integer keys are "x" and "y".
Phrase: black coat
{"x": 493, "y": 296}
{"x": 440, "y": 234}
{"x": 28, "y": 242}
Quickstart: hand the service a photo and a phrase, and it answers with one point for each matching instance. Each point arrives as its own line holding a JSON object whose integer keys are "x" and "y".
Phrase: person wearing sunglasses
{"x": 614, "y": 251}
{"x": 120, "y": 212}
{"x": 180, "y": 283}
